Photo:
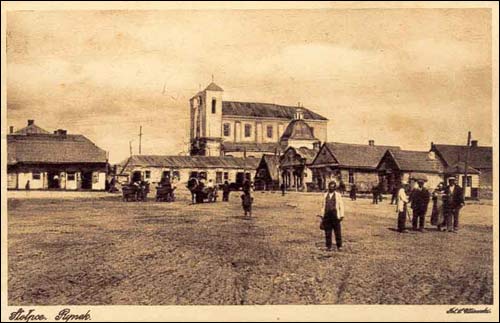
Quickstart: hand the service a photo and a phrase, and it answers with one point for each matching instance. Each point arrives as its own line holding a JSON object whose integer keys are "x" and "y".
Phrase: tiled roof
{"x": 298, "y": 130}
{"x": 479, "y": 157}
{"x": 52, "y": 149}
{"x": 416, "y": 161}
{"x": 265, "y": 110}
{"x": 357, "y": 155}
{"x": 269, "y": 147}
{"x": 191, "y": 161}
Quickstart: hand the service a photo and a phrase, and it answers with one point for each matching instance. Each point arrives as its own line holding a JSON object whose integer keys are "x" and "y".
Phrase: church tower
{"x": 206, "y": 121}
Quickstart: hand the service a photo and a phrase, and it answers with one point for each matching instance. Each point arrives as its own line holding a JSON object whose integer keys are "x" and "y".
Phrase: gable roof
{"x": 357, "y": 155}
{"x": 31, "y": 129}
{"x": 298, "y": 130}
{"x": 265, "y": 110}
{"x": 191, "y": 161}
{"x": 459, "y": 168}
{"x": 303, "y": 152}
{"x": 415, "y": 161}
{"x": 52, "y": 149}
{"x": 479, "y": 157}
{"x": 271, "y": 162}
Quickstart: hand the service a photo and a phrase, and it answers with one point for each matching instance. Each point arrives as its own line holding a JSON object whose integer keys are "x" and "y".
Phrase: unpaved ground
{"x": 104, "y": 251}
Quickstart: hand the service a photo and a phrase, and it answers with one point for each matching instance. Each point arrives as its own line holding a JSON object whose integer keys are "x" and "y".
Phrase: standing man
{"x": 402, "y": 208}
{"x": 455, "y": 201}
{"x": 333, "y": 213}
{"x": 283, "y": 189}
{"x": 375, "y": 194}
{"x": 225, "y": 192}
{"x": 419, "y": 202}
{"x": 354, "y": 192}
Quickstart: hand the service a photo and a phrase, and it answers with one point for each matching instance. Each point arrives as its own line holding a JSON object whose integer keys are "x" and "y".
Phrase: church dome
{"x": 298, "y": 130}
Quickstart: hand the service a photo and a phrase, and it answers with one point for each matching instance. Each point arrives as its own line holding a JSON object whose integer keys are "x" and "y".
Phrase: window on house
{"x": 37, "y": 175}
{"x": 147, "y": 174}
{"x": 227, "y": 129}
{"x": 469, "y": 181}
{"x": 226, "y": 176}
{"x": 269, "y": 131}
{"x": 214, "y": 104}
{"x": 351, "y": 177}
{"x": 248, "y": 130}
{"x": 218, "y": 177}
{"x": 71, "y": 176}
{"x": 176, "y": 175}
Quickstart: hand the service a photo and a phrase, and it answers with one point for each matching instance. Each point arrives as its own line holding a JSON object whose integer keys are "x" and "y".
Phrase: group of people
{"x": 447, "y": 202}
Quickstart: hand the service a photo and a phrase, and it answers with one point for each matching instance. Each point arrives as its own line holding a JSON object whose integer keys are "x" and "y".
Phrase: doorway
{"x": 53, "y": 180}
{"x": 87, "y": 180}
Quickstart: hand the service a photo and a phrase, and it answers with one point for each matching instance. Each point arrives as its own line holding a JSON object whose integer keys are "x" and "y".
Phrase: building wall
{"x": 21, "y": 178}
{"x": 259, "y": 129}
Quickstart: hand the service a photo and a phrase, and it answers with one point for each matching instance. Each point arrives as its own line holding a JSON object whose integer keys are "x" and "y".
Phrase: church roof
{"x": 298, "y": 130}
{"x": 213, "y": 87}
{"x": 31, "y": 128}
{"x": 266, "y": 110}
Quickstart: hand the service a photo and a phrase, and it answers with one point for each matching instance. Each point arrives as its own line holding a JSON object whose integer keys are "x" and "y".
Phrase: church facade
{"x": 246, "y": 129}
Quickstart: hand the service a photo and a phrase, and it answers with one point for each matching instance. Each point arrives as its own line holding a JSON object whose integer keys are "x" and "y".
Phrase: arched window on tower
{"x": 214, "y": 104}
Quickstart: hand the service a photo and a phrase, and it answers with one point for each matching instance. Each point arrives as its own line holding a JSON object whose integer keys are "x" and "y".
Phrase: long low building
{"x": 38, "y": 159}
{"x": 153, "y": 168}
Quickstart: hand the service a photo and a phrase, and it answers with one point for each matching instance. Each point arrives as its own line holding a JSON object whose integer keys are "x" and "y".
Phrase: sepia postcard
{"x": 249, "y": 161}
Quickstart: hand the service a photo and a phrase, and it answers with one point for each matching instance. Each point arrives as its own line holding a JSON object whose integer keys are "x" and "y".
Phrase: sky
{"x": 398, "y": 76}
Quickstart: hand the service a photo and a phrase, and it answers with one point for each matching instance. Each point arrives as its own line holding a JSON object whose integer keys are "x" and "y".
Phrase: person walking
{"x": 375, "y": 194}
{"x": 246, "y": 203}
{"x": 333, "y": 214}
{"x": 454, "y": 203}
{"x": 419, "y": 202}
{"x": 394, "y": 194}
{"x": 283, "y": 189}
{"x": 402, "y": 208}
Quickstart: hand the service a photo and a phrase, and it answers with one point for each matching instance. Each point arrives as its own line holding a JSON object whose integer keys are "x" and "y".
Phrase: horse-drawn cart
{"x": 135, "y": 192}
{"x": 165, "y": 194}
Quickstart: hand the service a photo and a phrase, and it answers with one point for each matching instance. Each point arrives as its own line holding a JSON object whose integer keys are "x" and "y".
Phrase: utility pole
{"x": 140, "y": 139}
{"x": 467, "y": 153}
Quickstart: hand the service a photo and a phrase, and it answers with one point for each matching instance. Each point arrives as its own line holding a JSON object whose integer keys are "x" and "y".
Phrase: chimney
{"x": 11, "y": 129}
{"x": 371, "y": 142}
{"x": 299, "y": 114}
{"x": 60, "y": 132}
{"x": 473, "y": 143}
{"x": 31, "y": 122}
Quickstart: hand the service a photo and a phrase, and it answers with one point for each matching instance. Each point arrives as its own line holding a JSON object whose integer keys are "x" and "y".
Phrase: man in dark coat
{"x": 375, "y": 194}
{"x": 454, "y": 202}
{"x": 420, "y": 198}
{"x": 353, "y": 192}
{"x": 226, "y": 189}
{"x": 333, "y": 213}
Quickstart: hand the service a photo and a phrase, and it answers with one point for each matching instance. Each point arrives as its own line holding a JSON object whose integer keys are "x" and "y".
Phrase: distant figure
{"x": 283, "y": 189}
{"x": 353, "y": 192}
{"x": 438, "y": 211}
{"x": 247, "y": 187}
{"x": 342, "y": 187}
{"x": 226, "y": 189}
{"x": 402, "y": 208}
{"x": 375, "y": 194}
{"x": 394, "y": 194}
{"x": 454, "y": 202}
{"x": 333, "y": 214}
{"x": 419, "y": 202}
{"x": 27, "y": 186}
{"x": 56, "y": 181}
{"x": 380, "y": 191}
{"x": 192, "y": 185}
{"x": 246, "y": 203}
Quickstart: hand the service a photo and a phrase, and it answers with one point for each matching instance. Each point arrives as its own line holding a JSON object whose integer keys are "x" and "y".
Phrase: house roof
{"x": 265, "y": 110}
{"x": 52, "y": 149}
{"x": 459, "y": 168}
{"x": 303, "y": 152}
{"x": 298, "y": 130}
{"x": 31, "y": 129}
{"x": 479, "y": 157}
{"x": 191, "y": 161}
{"x": 416, "y": 161}
{"x": 357, "y": 155}
{"x": 272, "y": 164}
{"x": 269, "y": 147}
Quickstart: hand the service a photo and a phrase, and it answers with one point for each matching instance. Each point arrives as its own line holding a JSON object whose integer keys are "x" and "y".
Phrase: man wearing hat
{"x": 454, "y": 202}
{"x": 420, "y": 198}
